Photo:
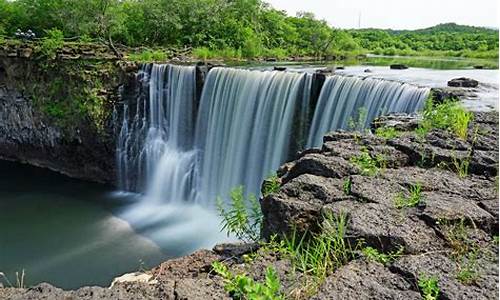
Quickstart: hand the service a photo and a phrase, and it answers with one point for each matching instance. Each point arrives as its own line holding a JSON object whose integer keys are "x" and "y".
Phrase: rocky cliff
{"x": 57, "y": 113}
{"x": 450, "y": 234}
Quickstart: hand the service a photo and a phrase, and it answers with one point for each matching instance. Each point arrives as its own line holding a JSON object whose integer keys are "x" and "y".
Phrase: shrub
{"x": 149, "y": 56}
{"x": 243, "y": 217}
{"x": 53, "y": 41}
{"x": 244, "y": 287}
{"x": 449, "y": 115}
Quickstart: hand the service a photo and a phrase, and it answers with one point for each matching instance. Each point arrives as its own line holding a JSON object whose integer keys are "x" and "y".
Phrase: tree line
{"x": 246, "y": 28}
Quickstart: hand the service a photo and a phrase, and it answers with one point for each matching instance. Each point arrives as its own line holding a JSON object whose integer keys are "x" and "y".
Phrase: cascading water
{"x": 244, "y": 126}
{"x": 154, "y": 152}
{"x": 181, "y": 155}
{"x": 344, "y": 98}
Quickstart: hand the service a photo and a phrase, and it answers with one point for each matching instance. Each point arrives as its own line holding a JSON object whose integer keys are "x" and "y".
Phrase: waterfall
{"x": 244, "y": 127}
{"x": 360, "y": 100}
{"x": 154, "y": 149}
{"x": 246, "y": 124}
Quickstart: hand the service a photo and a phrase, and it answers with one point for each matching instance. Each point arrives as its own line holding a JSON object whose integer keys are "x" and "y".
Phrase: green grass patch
{"x": 429, "y": 288}
{"x": 387, "y": 132}
{"x": 449, "y": 115}
{"x": 368, "y": 165}
{"x": 242, "y": 286}
{"x": 347, "y": 186}
{"x": 383, "y": 258}
{"x": 413, "y": 199}
{"x": 149, "y": 55}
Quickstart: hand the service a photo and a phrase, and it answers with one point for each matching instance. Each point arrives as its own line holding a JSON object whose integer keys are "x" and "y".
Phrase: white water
{"x": 343, "y": 99}
{"x": 244, "y": 127}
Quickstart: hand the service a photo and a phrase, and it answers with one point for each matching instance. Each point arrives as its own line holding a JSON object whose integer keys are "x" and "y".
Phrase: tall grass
{"x": 449, "y": 115}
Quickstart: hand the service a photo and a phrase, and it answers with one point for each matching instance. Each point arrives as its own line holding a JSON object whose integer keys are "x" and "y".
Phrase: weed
{"x": 461, "y": 166}
{"x": 358, "y": 124}
{"x": 323, "y": 252}
{"x": 244, "y": 287}
{"x": 387, "y": 132}
{"x": 271, "y": 185}
{"x": 467, "y": 273}
{"x": 53, "y": 41}
{"x": 149, "y": 56}
{"x": 365, "y": 163}
{"x": 20, "y": 283}
{"x": 428, "y": 287}
{"x": 414, "y": 199}
{"x": 448, "y": 115}
{"x": 347, "y": 185}
{"x": 383, "y": 258}
{"x": 456, "y": 235}
{"x": 243, "y": 218}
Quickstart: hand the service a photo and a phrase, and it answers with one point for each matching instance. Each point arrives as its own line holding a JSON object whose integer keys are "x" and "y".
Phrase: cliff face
{"x": 58, "y": 113}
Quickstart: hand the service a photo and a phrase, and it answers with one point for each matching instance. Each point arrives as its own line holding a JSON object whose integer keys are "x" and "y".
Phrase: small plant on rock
{"x": 270, "y": 185}
{"x": 467, "y": 273}
{"x": 428, "y": 287}
{"x": 383, "y": 258}
{"x": 414, "y": 199}
{"x": 387, "y": 132}
{"x": 243, "y": 217}
{"x": 347, "y": 186}
{"x": 245, "y": 287}
{"x": 367, "y": 165}
{"x": 53, "y": 41}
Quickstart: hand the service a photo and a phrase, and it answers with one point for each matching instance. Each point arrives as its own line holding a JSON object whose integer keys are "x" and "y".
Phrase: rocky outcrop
{"x": 463, "y": 82}
{"x": 58, "y": 114}
{"x": 450, "y": 234}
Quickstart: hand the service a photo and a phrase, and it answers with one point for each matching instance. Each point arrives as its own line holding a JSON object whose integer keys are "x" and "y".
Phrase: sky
{"x": 396, "y": 14}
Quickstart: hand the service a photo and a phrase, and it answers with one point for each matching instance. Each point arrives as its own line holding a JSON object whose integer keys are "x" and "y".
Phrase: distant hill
{"x": 452, "y": 27}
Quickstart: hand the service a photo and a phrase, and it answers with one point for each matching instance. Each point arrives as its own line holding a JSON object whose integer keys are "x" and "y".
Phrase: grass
{"x": 448, "y": 115}
{"x": 244, "y": 287}
{"x": 367, "y": 165}
{"x": 412, "y": 200}
{"x": 242, "y": 217}
{"x": 468, "y": 273}
{"x": 271, "y": 185}
{"x": 429, "y": 288}
{"x": 373, "y": 254}
{"x": 347, "y": 186}
{"x": 387, "y": 132}
{"x": 323, "y": 252}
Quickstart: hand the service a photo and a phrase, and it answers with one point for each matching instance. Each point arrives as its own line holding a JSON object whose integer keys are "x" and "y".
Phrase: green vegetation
{"x": 20, "y": 282}
{"x": 428, "y": 287}
{"x": 243, "y": 217}
{"x": 414, "y": 199}
{"x": 383, "y": 258}
{"x": 148, "y": 56}
{"x": 244, "y": 287}
{"x": 448, "y": 115}
{"x": 347, "y": 185}
{"x": 323, "y": 252}
{"x": 468, "y": 273}
{"x": 368, "y": 166}
{"x": 53, "y": 41}
{"x": 270, "y": 185}
{"x": 442, "y": 40}
{"x": 233, "y": 29}
{"x": 387, "y": 132}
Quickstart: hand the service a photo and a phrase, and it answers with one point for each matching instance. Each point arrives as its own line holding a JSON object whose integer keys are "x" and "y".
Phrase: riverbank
{"x": 447, "y": 240}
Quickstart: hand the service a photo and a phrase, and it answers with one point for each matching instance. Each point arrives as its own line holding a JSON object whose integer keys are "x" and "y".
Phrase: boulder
{"x": 398, "y": 66}
{"x": 463, "y": 82}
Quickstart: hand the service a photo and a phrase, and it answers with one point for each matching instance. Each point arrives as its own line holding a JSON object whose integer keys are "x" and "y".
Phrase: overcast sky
{"x": 396, "y": 14}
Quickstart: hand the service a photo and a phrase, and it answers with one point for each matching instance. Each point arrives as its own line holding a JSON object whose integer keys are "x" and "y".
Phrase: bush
{"x": 243, "y": 217}
{"x": 53, "y": 41}
{"x": 449, "y": 115}
{"x": 149, "y": 56}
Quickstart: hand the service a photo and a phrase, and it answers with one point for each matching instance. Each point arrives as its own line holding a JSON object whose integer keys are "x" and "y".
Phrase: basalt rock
{"x": 463, "y": 82}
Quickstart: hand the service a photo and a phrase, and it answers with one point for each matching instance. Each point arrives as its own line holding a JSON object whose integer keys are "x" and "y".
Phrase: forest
{"x": 231, "y": 29}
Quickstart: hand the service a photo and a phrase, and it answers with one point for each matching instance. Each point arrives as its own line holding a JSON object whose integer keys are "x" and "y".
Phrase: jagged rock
{"x": 366, "y": 280}
{"x": 199, "y": 289}
{"x": 400, "y": 121}
{"x": 463, "y": 82}
{"x": 439, "y": 265}
{"x": 398, "y": 67}
{"x": 235, "y": 249}
{"x": 386, "y": 228}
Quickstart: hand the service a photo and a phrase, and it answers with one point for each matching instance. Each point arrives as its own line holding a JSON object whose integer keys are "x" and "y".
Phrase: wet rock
{"x": 366, "y": 280}
{"x": 235, "y": 249}
{"x": 398, "y": 67}
{"x": 400, "y": 121}
{"x": 316, "y": 164}
{"x": 463, "y": 82}
{"x": 279, "y": 68}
